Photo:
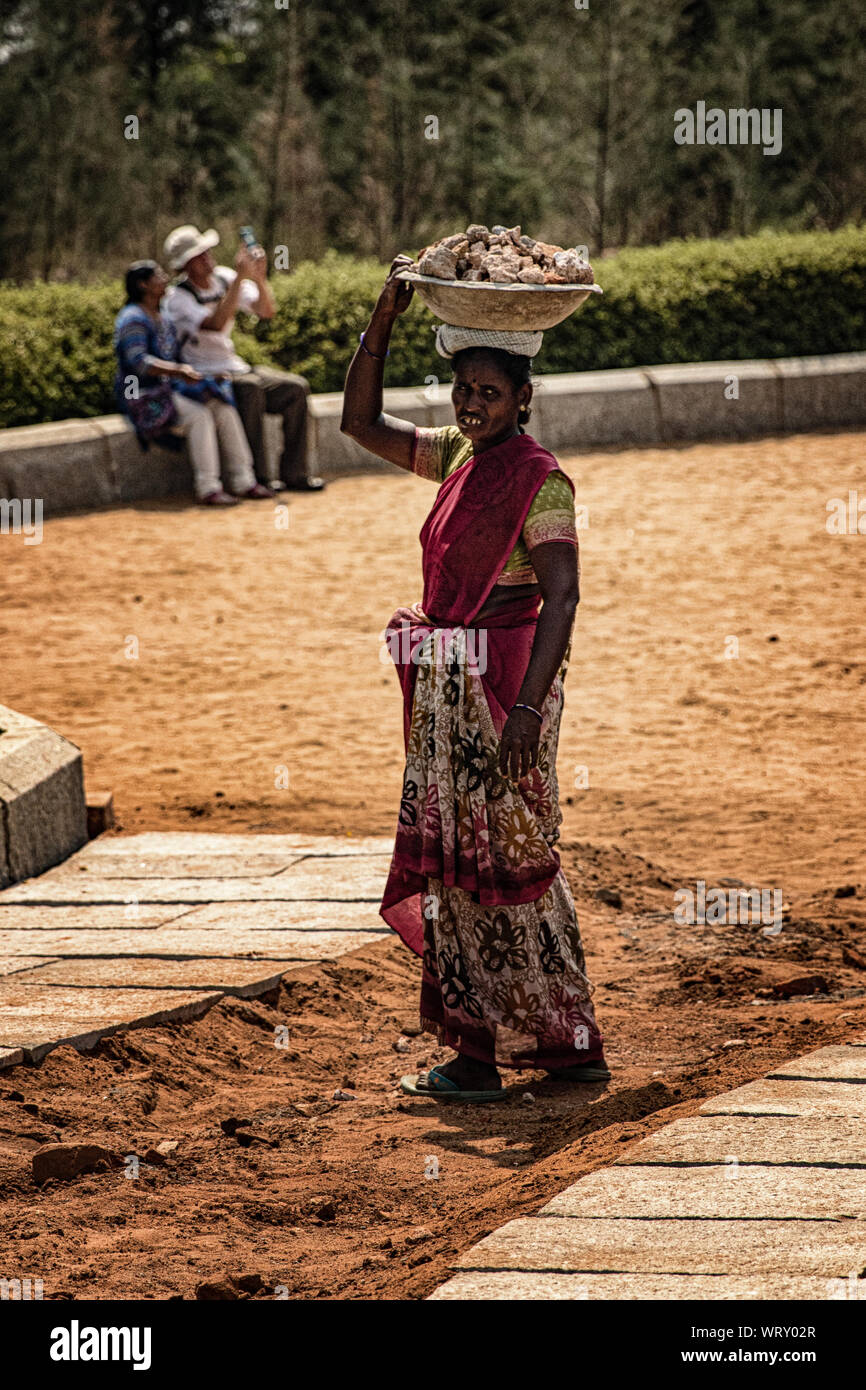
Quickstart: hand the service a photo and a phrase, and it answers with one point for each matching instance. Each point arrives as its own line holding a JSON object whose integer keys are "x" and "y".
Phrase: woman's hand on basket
{"x": 518, "y": 747}
{"x": 396, "y": 295}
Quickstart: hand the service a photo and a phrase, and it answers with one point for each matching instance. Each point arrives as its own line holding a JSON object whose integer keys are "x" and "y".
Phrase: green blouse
{"x": 437, "y": 453}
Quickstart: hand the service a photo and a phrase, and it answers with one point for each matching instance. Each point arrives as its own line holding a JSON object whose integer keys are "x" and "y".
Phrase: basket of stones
{"x": 498, "y": 278}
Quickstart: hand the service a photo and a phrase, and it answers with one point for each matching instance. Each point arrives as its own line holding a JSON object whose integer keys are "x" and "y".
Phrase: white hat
{"x": 185, "y": 242}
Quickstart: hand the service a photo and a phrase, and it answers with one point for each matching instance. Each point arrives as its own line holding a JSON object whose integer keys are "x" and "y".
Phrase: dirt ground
{"x": 714, "y": 729}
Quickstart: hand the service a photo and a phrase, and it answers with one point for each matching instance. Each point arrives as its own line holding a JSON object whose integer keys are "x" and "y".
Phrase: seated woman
{"x": 167, "y": 400}
{"x": 476, "y": 887}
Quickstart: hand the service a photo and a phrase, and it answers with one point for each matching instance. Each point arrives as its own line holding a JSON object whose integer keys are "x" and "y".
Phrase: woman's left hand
{"x": 518, "y": 747}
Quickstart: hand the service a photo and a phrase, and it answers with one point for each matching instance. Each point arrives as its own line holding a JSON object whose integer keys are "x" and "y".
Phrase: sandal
{"x": 582, "y": 1071}
{"x": 433, "y": 1083}
{"x": 218, "y": 499}
{"x": 257, "y": 490}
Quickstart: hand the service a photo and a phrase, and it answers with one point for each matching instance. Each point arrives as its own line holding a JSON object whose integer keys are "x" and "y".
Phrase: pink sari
{"x": 475, "y": 885}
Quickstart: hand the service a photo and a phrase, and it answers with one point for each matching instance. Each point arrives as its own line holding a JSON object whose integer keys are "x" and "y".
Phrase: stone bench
{"x": 75, "y": 465}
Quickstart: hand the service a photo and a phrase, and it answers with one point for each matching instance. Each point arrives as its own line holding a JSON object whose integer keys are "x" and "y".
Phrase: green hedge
{"x": 687, "y": 301}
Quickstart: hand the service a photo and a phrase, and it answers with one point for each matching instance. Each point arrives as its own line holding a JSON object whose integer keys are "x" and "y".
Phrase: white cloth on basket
{"x": 450, "y": 339}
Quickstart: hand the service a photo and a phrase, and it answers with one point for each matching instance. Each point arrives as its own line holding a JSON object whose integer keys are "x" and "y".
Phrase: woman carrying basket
{"x": 475, "y": 886}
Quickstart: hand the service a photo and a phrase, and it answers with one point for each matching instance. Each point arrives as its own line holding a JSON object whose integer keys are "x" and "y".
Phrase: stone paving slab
{"x": 168, "y": 866}
{"x": 737, "y": 1187}
{"x": 315, "y": 915}
{"x": 803, "y": 1140}
{"x": 209, "y": 942}
{"x": 724, "y": 1191}
{"x": 791, "y": 1098}
{"x": 528, "y": 1285}
{"x": 38, "y": 1019}
{"x": 20, "y": 925}
{"x": 22, "y": 944}
{"x": 192, "y": 842}
{"x": 11, "y": 965}
{"x": 97, "y": 917}
{"x": 828, "y": 1249}
{"x": 844, "y": 1063}
{"x": 243, "y": 977}
{"x": 360, "y": 878}
{"x": 147, "y": 928}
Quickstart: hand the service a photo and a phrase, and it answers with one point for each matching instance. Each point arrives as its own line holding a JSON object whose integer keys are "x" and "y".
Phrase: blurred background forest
{"x": 310, "y": 121}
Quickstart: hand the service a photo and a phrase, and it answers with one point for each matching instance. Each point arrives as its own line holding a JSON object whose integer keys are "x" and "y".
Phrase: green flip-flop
{"x": 435, "y": 1086}
{"x": 582, "y": 1071}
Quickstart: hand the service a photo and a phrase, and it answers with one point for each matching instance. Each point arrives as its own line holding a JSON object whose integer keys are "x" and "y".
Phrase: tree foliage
{"x": 313, "y": 121}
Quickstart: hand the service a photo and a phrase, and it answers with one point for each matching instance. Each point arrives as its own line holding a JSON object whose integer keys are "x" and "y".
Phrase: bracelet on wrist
{"x": 379, "y": 356}
{"x": 531, "y": 708}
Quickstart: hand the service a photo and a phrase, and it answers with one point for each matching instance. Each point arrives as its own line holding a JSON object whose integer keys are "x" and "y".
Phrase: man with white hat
{"x": 202, "y": 306}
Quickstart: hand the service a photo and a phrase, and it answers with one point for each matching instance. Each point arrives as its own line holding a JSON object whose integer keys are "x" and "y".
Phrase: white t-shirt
{"x": 207, "y": 349}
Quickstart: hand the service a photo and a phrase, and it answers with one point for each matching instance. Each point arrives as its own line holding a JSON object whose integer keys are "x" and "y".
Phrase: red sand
{"x": 258, "y": 648}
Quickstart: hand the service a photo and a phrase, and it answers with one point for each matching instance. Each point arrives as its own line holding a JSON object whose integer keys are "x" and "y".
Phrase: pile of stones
{"x": 503, "y": 256}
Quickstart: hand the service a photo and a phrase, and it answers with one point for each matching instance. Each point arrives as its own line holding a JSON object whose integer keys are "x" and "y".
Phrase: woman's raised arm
{"x": 363, "y": 416}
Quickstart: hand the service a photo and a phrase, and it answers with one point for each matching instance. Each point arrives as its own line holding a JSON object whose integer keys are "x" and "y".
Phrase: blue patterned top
{"x": 139, "y": 338}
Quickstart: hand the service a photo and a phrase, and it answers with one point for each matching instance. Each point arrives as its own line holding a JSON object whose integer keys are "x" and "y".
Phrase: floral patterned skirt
{"x": 507, "y": 985}
{"x": 503, "y": 966}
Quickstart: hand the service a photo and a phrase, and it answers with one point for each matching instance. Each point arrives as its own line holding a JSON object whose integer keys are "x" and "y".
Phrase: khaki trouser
{"x": 215, "y": 435}
{"x": 266, "y": 391}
